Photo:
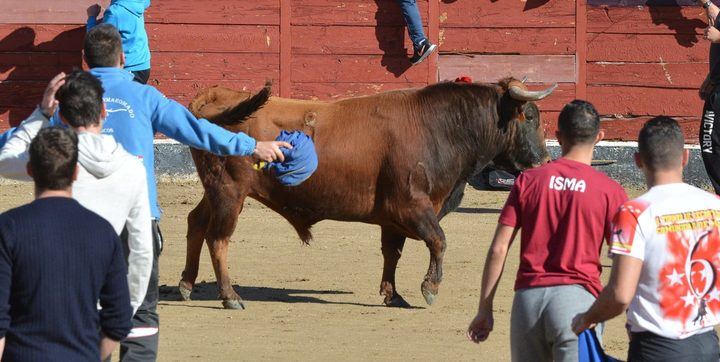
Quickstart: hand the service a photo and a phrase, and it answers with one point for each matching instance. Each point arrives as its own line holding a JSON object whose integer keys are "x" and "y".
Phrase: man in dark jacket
{"x": 57, "y": 259}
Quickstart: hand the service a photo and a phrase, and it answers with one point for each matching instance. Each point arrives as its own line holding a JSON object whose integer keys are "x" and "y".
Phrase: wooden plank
{"x": 213, "y": 66}
{"x": 647, "y": 20}
{"x": 508, "y": 41}
{"x": 642, "y": 2}
{"x": 285, "y": 48}
{"x": 490, "y": 68}
{"x": 628, "y": 129}
{"x": 434, "y": 36}
{"x": 37, "y": 66}
{"x": 357, "y": 69}
{"x": 255, "y": 12}
{"x": 508, "y": 14}
{"x": 47, "y": 11}
{"x": 350, "y": 40}
{"x": 581, "y": 46}
{"x": 41, "y": 38}
{"x": 350, "y": 12}
{"x": 645, "y": 101}
{"x": 12, "y": 116}
{"x": 214, "y": 38}
{"x": 685, "y": 75}
{"x": 645, "y": 48}
{"x": 21, "y": 94}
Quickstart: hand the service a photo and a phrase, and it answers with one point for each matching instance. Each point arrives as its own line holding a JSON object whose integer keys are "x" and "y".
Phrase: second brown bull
{"x": 399, "y": 159}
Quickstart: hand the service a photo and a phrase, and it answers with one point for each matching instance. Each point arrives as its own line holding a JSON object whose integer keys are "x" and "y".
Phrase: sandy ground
{"x": 321, "y": 302}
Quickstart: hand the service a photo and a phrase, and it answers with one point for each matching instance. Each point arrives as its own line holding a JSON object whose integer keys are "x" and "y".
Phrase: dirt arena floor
{"x": 321, "y": 302}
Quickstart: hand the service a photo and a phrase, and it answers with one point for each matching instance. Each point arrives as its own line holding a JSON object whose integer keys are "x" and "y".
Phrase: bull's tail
{"x": 246, "y": 108}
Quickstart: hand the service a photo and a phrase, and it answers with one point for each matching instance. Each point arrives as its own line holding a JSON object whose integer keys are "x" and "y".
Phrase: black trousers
{"x": 710, "y": 140}
{"x": 142, "y": 343}
{"x": 141, "y": 76}
{"x": 646, "y": 346}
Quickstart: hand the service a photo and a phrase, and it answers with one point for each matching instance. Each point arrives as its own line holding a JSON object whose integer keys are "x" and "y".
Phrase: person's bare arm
{"x": 482, "y": 324}
{"x": 711, "y": 10}
{"x": 107, "y": 346}
{"x": 615, "y": 297}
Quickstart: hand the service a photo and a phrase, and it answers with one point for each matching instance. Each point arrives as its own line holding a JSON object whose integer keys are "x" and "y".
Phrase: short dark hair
{"x": 53, "y": 158}
{"x": 661, "y": 143}
{"x": 103, "y": 46}
{"x": 579, "y": 122}
{"x": 81, "y": 99}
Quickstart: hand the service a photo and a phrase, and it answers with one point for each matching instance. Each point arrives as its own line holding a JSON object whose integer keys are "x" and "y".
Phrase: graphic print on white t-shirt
{"x": 674, "y": 230}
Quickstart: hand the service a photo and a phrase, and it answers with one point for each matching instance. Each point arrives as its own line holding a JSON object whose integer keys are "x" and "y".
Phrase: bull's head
{"x": 520, "y": 121}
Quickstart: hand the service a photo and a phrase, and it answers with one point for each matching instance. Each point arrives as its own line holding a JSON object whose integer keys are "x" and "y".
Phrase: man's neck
{"x": 664, "y": 177}
{"x": 96, "y": 129}
{"x": 43, "y": 193}
{"x": 579, "y": 153}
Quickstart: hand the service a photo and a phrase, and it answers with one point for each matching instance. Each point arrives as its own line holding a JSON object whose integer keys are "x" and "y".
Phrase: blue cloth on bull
{"x": 300, "y": 162}
{"x": 590, "y": 350}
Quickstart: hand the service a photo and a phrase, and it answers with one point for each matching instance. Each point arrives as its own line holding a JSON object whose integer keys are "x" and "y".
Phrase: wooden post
{"x": 581, "y": 49}
{"x": 285, "y": 49}
{"x": 434, "y": 35}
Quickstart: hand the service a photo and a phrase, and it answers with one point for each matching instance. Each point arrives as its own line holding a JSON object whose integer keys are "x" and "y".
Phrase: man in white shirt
{"x": 666, "y": 258}
{"x": 111, "y": 182}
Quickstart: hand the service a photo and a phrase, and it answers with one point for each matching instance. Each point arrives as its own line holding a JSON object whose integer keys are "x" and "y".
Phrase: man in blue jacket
{"x": 135, "y": 112}
{"x": 128, "y": 16}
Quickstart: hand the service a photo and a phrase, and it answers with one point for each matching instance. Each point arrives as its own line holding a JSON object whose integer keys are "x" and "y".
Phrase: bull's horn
{"x": 525, "y": 95}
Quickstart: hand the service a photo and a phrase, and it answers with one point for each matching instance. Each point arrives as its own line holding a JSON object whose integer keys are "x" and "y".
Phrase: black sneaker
{"x": 425, "y": 49}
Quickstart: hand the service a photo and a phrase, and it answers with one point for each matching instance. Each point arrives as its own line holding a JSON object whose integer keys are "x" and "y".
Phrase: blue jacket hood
{"x": 137, "y": 7}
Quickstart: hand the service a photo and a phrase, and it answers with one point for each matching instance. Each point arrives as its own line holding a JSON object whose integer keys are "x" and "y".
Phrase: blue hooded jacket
{"x": 135, "y": 112}
{"x": 129, "y": 19}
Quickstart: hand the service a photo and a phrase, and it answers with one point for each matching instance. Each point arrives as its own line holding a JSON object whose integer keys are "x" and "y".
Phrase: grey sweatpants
{"x": 541, "y": 323}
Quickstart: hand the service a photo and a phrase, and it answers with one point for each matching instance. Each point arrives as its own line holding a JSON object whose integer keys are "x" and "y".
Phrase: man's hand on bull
{"x": 269, "y": 151}
{"x": 49, "y": 103}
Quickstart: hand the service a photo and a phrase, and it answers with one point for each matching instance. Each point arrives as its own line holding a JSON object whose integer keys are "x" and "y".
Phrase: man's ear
{"x": 103, "y": 113}
{"x": 28, "y": 169}
{"x": 122, "y": 60}
{"x": 638, "y": 161}
{"x": 75, "y": 173}
{"x": 599, "y": 137}
{"x": 685, "y": 157}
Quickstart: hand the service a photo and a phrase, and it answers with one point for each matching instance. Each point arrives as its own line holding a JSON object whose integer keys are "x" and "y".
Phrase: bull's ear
{"x": 521, "y": 113}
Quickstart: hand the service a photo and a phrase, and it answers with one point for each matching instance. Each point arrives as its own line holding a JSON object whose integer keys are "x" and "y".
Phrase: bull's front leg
{"x": 428, "y": 228}
{"x": 218, "y": 254}
{"x": 392, "y": 246}
{"x": 197, "y": 226}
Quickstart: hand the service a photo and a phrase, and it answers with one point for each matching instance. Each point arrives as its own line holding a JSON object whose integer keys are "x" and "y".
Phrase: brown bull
{"x": 398, "y": 159}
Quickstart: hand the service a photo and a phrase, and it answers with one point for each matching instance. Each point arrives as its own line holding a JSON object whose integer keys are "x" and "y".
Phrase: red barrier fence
{"x": 632, "y": 62}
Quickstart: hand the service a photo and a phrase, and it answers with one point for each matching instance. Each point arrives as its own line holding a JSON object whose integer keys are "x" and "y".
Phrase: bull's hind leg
{"x": 426, "y": 225}
{"x": 392, "y": 246}
{"x": 197, "y": 222}
{"x": 222, "y": 225}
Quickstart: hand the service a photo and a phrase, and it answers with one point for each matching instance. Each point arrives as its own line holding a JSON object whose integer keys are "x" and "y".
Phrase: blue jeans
{"x": 413, "y": 20}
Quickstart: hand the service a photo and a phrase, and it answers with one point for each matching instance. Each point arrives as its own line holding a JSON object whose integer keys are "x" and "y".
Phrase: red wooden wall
{"x": 632, "y": 62}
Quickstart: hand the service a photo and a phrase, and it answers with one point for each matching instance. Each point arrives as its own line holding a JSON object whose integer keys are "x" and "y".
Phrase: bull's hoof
{"x": 397, "y": 302}
{"x": 428, "y": 293}
{"x": 233, "y": 304}
{"x": 185, "y": 292}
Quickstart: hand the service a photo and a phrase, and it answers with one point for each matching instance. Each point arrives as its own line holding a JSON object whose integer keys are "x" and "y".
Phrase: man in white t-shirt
{"x": 666, "y": 258}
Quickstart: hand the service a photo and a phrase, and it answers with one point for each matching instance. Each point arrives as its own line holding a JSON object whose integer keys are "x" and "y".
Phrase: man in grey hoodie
{"x": 110, "y": 181}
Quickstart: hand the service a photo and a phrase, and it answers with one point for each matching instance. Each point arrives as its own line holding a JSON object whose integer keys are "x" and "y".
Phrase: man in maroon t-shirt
{"x": 564, "y": 210}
